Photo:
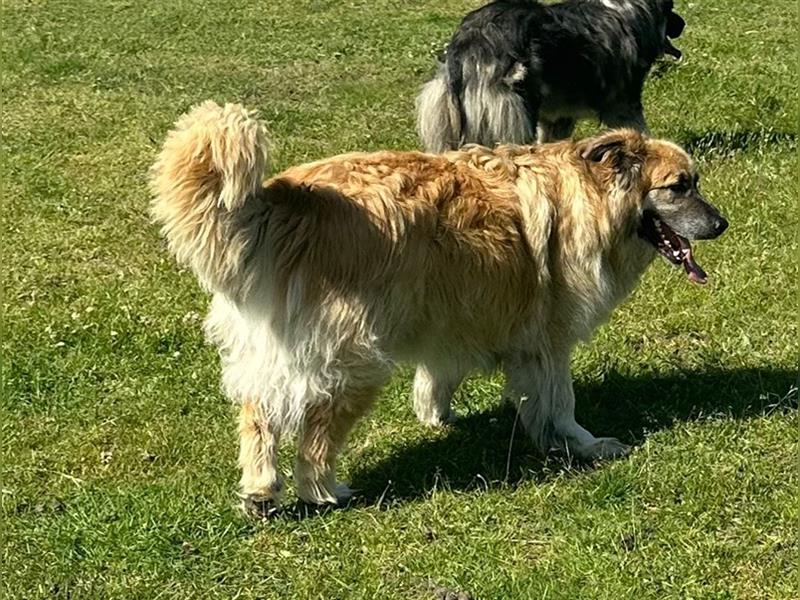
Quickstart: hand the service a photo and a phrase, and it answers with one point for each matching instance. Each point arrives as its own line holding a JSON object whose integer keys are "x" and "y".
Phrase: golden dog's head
{"x": 664, "y": 179}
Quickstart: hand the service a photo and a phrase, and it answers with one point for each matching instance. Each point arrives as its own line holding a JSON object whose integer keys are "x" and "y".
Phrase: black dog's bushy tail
{"x": 439, "y": 114}
{"x": 467, "y": 102}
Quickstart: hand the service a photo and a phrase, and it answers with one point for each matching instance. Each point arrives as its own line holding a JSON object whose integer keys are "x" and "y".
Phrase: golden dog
{"x": 327, "y": 275}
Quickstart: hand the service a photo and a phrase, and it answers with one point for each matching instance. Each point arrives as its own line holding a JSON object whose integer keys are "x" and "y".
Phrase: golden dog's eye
{"x": 679, "y": 188}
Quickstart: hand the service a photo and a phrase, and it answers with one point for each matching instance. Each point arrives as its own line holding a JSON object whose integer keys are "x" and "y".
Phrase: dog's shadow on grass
{"x": 484, "y": 448}
{"x": 729, "y": 143}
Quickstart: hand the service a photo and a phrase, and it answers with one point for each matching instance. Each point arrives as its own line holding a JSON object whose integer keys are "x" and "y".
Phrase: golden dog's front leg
{"x": 261, "y": 485}
{"x": 540, "y": 385}
{"x": 433, "y": 389}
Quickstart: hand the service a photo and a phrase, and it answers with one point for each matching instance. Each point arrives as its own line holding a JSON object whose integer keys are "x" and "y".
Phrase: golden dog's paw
{"x": 344, "y": 494}
{"x": 324, "y": 493}
{"x": 259, "y": 507}
{"x": 439, "y": 420}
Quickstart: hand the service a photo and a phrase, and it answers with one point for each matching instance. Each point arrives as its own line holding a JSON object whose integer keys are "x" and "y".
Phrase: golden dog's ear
{"x": 622, "y": 150}
{"x": 613, "y": 146}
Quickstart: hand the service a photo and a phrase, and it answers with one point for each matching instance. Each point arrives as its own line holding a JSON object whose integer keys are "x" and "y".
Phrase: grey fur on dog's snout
{"x": 710, "y": 225}
{"x": 690, "y": 216}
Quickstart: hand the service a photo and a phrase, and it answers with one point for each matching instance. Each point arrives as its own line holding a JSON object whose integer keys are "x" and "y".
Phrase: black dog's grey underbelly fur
{"x": 516, "y": 64}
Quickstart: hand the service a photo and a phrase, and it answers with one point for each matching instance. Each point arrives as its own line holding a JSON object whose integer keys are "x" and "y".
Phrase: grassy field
{"x": 117, "y": 449}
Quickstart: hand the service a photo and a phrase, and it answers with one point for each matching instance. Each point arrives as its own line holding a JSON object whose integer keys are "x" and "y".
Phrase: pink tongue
{"x": 693, "y": 270}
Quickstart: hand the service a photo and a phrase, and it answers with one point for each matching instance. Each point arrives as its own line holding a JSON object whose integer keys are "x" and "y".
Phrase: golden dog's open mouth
{"x": 675, "y": 248}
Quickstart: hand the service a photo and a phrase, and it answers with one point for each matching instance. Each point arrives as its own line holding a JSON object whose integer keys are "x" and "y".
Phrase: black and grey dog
{"x": 516, "y": 70}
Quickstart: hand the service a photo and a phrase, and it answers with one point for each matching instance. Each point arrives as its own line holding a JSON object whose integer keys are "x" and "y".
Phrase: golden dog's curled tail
{"x": 211, "y": 165}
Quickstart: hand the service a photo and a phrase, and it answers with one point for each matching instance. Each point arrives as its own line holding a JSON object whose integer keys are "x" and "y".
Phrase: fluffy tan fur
{"x": 331, "y": 272}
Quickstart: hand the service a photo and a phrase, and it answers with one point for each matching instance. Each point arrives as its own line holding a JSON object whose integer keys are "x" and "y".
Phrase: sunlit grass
{"x": 117, "y": 448}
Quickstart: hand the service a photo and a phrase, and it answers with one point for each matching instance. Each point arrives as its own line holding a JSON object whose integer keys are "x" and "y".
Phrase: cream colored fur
{"x": 330, "y": 273}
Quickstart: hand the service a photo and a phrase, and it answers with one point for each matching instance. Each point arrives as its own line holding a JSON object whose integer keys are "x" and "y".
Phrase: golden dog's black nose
{"x": 720, "y": 225}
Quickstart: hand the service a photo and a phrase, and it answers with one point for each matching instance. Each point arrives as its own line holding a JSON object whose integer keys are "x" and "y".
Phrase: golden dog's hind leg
{"x": 261, "y": 485}
{"x": 433, "y": 390}
{"x": 541, "y": 388}
{"x": 324, "y": 432}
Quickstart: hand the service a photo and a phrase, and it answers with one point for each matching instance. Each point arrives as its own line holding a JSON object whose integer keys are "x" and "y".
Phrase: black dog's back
{"x": 497, "y": 31}
{"x": 568, "y": 46}
{"x": 498, "y": 34}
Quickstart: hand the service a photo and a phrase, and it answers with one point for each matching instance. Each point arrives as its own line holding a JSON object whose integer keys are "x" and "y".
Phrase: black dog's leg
{"x": 558, "y": 129}
{"x": 625, "y": 116}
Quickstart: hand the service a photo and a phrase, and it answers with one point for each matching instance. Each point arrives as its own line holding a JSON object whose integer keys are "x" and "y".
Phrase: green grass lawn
{"x": 117, "y": 448}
